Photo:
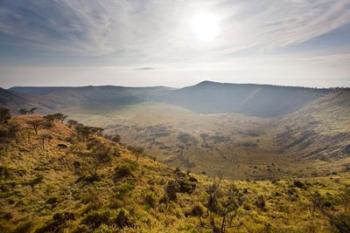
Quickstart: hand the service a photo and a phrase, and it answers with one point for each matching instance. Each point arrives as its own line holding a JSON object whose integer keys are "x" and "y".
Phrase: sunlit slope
{"x": 230, "y": 144}
{"x": 248, "y": 99}
{"x": 320, "y": 130}
{"x": 72, "y": 182}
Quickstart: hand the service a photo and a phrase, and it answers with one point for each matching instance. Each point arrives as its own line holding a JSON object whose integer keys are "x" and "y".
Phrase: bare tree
{"x": 44, "y": 138}
{"x": 5, "y": 115}
{"x": 36, "y": 124}
{"x": 23, "y": 111}
{"x": 223, "y": 204}
{"x": 32, "y": 110}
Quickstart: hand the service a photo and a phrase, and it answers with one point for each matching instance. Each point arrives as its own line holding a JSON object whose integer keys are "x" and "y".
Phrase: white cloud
{"x": 158, "y": 29}
{"x": 156, "y": 36}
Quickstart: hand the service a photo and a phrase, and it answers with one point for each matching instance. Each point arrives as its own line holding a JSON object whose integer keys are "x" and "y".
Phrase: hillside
{"x": 14, "y": 100}
{"x": 96, "y": 98}
{"x": 248, "y": 99}
{"x": 205, "y": 97}
{"x": 319, "y": 130}
{"x": 243, "y": 131}
{"x": 70, "y": 178}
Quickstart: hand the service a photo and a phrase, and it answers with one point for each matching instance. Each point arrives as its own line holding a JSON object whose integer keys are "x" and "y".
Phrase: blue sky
{"x": 143, "y": 43}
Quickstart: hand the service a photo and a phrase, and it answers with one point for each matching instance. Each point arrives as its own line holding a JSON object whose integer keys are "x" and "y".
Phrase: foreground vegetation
{"x": 68, "y": 177}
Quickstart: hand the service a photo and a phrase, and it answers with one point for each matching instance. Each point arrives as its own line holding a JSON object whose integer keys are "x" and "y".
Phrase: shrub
{"x": 89, "y": 179}
{"x": 150, "y": 199}
{"x": 52, "y": 201}
{"x": 299, "y": 184}
{"x": 187, "y": 185}
{"x": 123, "y": 219}
{"x": 82, "y": 229}
{"x": 197, "y": 210}
{"x": 9, "y": 131}
{"x": 136, "y": 149}
{"x": 97, "y": 218}
{"x": 171, "y": 189}
{"x": 56, "y": 224}
{"x": 37, "y": 180}
{"x": 4, "y": 115}
{"x": 260, "y": 202}
{"x": 123, "y": 171}
{"x": 5, "y": 172}
{"x": 116, "y": 138}
{"x": 341, "y": 222}
{"x": 25, "y": 227}
{"x": 124, "y": 188}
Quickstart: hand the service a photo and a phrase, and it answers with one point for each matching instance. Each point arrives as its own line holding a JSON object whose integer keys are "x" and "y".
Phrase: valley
{"x": 238, "y": 131}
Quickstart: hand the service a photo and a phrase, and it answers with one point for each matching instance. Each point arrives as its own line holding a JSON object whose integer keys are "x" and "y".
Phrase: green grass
{"x": 41, "y": 191}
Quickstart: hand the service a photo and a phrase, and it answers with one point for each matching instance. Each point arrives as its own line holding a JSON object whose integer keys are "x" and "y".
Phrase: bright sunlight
{"x": 205, "y": 26}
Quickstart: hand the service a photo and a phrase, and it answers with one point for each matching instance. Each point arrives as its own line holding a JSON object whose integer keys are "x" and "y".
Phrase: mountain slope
{"x": 205, "y": 97}
{"x": 15, "y": 101}
{"x": 250, "y": 99}
{"x": 320, "y": 129}
{"x": 72, "y": 183}
{"x": 91, "y": 97}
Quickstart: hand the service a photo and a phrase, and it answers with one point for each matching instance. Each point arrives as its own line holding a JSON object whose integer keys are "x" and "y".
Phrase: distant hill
{"x": 205, "y": 97}
{"x": 249, "y": 99}
{"x": 91, "y": 97}
{"x": 14, "y": 100}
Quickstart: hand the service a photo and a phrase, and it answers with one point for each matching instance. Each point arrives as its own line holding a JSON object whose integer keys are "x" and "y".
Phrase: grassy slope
{"x": 319, "y": 131}
{"x": 237, "y": 145}
{"x": 28, "y": 204}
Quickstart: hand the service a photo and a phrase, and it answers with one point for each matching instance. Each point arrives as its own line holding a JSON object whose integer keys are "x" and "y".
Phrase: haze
{"x": 174, "y": 43}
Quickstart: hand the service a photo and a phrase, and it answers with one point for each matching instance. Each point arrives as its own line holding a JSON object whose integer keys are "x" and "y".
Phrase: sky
{"x": 174, "y": 42}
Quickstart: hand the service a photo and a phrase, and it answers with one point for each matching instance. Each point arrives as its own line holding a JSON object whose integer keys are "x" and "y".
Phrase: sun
{"x": 205, "y": 26}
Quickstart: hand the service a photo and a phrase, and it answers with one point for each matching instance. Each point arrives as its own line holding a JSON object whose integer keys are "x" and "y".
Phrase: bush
{"x": 187, "y": 185}
{"x": 82, "y": 229}
{"x": 136, "y": 149}
{"x": 56, "y": 224}
{"x": 260, "y": 202}
{"x": 116, "y": 138}
{"x": 4, "y": 115}
{"x": 197, "y": 210}
{"x": 150, "y": 199}
{"x": 299, "y": 184}
{"x": 341, "y": 222}
{"x": 97, "y": 218}
{"x": 37, "y": 180}
{"x": 171, "y": 189}
{"x": 9, "y": 131}
{"x": 124, "y": 188}
{"x": 52, "y": 201}
{"x": 123, "y": 171}
{"x": 25, "y": 227}
{"x": 89, "y": 179}
{"x": 123, "y": 219}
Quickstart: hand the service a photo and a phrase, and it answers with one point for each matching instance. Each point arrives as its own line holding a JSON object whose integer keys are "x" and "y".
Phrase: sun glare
{"x": 205, "y": 26}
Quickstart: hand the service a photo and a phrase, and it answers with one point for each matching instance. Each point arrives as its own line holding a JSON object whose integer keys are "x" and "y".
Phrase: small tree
{"x": 36, "y": 124}
{"x": 32, "y": 110}
{"x": 224, "y": 206}
{"x": 72, "y": 123}
{"x": 116, "y": 138}
{"x": 44, "y": 138}
{"x": 23, "y": 111}
{"x": 86, "y": 131}
{"x": 137, "y": 150}
{"x": 346, "y": 199}
{"x": 9, "y": 132}
{"x": 5, "y": 115}
{"x": 56, "y": 117}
